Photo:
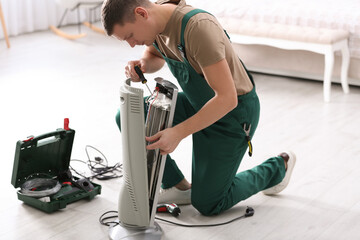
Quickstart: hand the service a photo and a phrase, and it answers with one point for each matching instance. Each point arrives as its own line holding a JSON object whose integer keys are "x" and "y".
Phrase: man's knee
{"x": 206, "y": 207}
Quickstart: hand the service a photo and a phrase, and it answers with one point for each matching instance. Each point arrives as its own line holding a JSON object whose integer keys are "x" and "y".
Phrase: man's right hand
{"x": 130, "y": 70}
{"x": 150, "y": 62}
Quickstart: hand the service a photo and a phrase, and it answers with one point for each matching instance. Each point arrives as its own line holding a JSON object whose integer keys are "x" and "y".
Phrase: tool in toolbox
{"x": 173, "y": 209}
{"x": 247, "y": 132}
{"x": 49, "y": 155}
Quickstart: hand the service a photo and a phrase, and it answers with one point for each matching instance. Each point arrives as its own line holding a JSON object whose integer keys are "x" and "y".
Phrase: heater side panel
{"x": 133, "y": 198}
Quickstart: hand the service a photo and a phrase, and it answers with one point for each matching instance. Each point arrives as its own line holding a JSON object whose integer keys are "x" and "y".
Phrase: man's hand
{"x": 130, "y": 69}
{"x": 150, "y": 62}
{"x": 166, "y": 140}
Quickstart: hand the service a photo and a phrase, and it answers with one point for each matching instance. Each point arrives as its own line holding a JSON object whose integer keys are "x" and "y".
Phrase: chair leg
{"x": 4, "y": 27}
{"x": 345, "y": 67}
{"x": 329, "y": 64}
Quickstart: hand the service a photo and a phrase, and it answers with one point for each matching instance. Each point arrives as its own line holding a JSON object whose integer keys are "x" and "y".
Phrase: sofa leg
{"x": 329, "y": 64}
{"x": 345, "y": 66}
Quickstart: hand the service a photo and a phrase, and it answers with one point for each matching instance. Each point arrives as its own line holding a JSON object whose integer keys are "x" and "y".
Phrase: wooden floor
{"x": 44, "y": 78}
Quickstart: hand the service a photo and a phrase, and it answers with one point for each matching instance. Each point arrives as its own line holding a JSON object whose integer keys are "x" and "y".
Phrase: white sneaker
{"x": 174, "y": 195}
{"x": 283, "y": 184}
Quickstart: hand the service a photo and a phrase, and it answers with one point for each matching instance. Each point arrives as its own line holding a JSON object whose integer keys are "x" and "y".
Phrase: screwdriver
{"x": 141, "y": 76}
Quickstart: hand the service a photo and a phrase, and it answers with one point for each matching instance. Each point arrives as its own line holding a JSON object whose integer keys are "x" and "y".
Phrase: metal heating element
{"x": 158, "y": 118}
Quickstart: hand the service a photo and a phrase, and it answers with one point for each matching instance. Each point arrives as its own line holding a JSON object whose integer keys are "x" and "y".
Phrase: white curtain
{"x": 24, "y": 16}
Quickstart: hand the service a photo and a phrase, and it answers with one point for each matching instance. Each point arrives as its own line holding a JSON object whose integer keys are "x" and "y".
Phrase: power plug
{"x": 99, "y": 159}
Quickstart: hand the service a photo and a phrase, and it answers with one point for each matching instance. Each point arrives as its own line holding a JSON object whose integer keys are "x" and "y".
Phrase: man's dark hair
{"x": 119, "y": 12}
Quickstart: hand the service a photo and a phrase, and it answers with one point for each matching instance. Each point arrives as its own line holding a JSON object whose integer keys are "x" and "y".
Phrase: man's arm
{"x": 219, "y": 78}
{"x": 154, "y": 60}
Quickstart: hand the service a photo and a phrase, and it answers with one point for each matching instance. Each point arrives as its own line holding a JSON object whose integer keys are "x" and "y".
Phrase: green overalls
{"x": 219, "y": 148}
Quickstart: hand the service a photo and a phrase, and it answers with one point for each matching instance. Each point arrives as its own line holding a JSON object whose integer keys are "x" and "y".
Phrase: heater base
{"x": 121, "y": 232}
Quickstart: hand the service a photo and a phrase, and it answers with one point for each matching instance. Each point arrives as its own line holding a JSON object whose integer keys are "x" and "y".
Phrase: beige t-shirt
{"x": 205, "y": 43}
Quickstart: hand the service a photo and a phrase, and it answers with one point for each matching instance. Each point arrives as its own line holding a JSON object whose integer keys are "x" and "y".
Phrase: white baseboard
{"x": 309, "y": 76}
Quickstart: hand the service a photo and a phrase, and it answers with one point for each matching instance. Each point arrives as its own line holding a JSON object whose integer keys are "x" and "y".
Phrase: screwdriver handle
{"x": 140, "y": 74}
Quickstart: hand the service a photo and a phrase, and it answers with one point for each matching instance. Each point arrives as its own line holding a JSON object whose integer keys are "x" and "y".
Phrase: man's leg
{"x": 216, "y": 187}
{"x": 217, "y": 154}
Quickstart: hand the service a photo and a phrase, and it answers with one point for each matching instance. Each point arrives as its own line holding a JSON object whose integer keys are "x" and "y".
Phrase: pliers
{"x": 247, "y": 133}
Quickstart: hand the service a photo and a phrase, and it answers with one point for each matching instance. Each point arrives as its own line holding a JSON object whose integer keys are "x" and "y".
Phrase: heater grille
{"x": 135, "y": 104}
{"x": 130, "y": 189}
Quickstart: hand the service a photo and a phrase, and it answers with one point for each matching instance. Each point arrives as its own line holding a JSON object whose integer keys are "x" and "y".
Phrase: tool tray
{"x": 49, "y": 154}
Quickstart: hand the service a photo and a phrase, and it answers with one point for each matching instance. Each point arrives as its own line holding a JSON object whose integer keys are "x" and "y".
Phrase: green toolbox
{"x": 41, "y": 171}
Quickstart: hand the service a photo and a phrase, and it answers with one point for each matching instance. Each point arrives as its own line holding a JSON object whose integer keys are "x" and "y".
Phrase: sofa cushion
{"x": 281, "y": 31}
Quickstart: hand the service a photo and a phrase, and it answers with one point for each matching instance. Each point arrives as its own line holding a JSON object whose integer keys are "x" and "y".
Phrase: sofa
{"x": 326, "y": 14}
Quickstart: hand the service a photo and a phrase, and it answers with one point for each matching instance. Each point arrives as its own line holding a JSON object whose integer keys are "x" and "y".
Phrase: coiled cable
{"x": 40, "y": 187}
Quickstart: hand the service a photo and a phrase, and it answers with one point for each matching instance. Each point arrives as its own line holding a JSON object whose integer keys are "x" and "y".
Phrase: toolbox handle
{"x": 59, "y": 132}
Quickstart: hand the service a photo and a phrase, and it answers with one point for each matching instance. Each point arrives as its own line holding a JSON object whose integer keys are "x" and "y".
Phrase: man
{"x": 218, "y": 105}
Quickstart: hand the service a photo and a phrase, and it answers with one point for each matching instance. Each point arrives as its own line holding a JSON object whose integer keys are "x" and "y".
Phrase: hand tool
{"x": 173, "y": 209}
{"x": 247, "y": 132}
{"x": 141, "y": 76}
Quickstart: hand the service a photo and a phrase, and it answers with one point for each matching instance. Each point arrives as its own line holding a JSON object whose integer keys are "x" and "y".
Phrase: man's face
{"x": 136, "y": 33}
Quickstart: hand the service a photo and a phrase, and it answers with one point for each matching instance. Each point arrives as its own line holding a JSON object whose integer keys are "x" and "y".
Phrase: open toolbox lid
{"x": 45, "y": 154}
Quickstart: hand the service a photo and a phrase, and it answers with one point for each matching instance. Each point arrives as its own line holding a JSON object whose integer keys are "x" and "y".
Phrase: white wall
{"x": 24, "y": 16}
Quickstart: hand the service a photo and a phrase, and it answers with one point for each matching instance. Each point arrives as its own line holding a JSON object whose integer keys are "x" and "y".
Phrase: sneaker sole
{"x": 283, "y": 184}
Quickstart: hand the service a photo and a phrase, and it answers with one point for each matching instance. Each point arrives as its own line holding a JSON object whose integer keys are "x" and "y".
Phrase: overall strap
{"x": 181, "y": 45}
{"x": 157, "y": 48}
{"x": 184, "y": 22}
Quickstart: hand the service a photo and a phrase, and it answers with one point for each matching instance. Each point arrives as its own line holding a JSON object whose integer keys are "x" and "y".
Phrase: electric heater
{"x": 143, "y": 169}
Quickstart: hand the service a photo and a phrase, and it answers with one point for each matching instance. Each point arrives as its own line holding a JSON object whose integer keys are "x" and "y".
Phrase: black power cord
{"x": 248, "y": 213}
{"x": 103, "y": 218}
{"x": 99, "y": 166}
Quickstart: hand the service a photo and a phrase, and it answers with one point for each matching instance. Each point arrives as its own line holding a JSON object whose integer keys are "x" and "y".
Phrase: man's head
{"x": 128, "y": 20}
{"x": 120, "y": 12}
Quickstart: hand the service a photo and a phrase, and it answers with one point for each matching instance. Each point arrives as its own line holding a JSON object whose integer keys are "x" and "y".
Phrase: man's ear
{"x": 142, "y": 12}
